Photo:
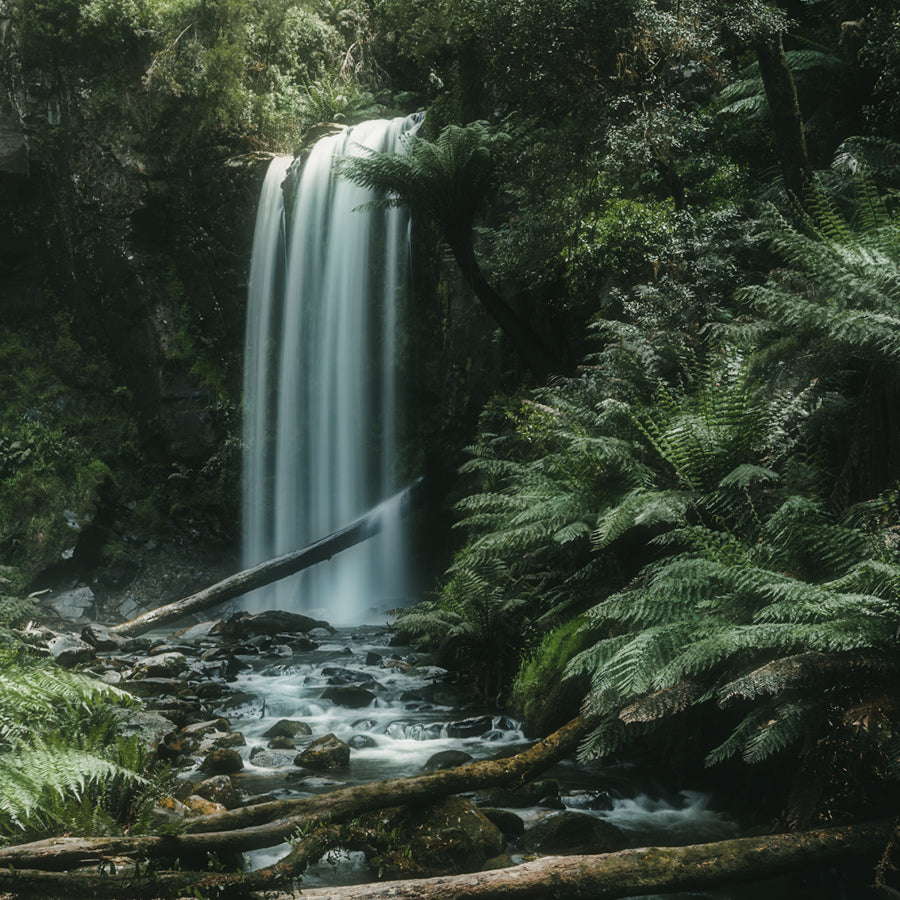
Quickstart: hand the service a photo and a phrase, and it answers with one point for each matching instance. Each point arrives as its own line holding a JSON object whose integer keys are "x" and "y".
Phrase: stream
{"x": 414, "y": 715}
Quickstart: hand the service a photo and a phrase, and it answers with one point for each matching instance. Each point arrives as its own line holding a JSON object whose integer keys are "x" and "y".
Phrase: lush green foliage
{"x": 62, "y": 765}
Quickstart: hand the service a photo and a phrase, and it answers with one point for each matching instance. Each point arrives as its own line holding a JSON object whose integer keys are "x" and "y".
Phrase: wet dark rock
{"x": 302, "y": 644}
{"x": 340, "y": 675}
{"x": 101, "y": 638}
{"x": 281, "y": 743}
{"x": 69, "y": 650}
{"x": 239, "y": 699}
{"x": 222, "y": 761}
{"x": 519, "y": 798}
{"x": 199, "y": 632}
{"x": 327, "y": 752}
{"x": 161, "y": 665}
{"x": 373, "y": 658}
{"x": 508, "y": 822}
{"x": 572, "y": 833}
{"x": 600, "y": 800}
{"x": 219, "y": 740}
{"x": 242, "y": 625}
{"x": 209, "y": 690}
{"x": 448, "y": 837}
{"x": 348, "y": 696}
{"x": 417, "y": 731}
{"x": 183, "y": 713}
{"x": 155, "y": 687}
{"x": 363, "y": 724}
{"x": 447, "y": 759}
{"x": 469, "y": 728}
{"x": 361, "y": 742}
{"x": 200, "y": 730}
{"x": 288, "y": 728}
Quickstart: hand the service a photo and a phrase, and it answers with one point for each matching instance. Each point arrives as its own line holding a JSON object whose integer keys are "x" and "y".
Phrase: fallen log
{"x": 268, "y": 824}
{"x": 634, "y": 872}
{"x": 601, "y": 877}
{"x": 275, "y": 569}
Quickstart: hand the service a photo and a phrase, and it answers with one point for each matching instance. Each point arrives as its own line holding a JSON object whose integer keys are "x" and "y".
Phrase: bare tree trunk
{"x": 273, "y": 569}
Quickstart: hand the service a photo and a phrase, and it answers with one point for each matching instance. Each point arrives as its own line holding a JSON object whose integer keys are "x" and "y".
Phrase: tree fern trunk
{"x": 787, "y": 122}
{"x": 531, "y": 348}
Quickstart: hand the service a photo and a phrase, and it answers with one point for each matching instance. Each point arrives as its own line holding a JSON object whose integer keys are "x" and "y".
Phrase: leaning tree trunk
{"x": 274, "y": 569}
{"x": 784, "y": 108}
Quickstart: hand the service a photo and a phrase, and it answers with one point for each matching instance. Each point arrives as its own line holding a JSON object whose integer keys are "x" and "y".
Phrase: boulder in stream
{"x": 449, "y": 837}
{"x": 572, "y": 833}
{"x": 243, "y": 625}
{"x": 69, "y": 650}
{"x": 288, "y": 728}
{"x": 348, "y": 695}
{"x": 327, "y": 752}
{"x": 222, "y": 761}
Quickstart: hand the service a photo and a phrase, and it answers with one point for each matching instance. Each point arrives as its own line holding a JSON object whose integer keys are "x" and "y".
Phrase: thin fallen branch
{"x": 275, "y": 569}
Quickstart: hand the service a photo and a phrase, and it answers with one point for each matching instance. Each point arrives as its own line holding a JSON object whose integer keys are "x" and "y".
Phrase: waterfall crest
{"x": 320, "y": 384}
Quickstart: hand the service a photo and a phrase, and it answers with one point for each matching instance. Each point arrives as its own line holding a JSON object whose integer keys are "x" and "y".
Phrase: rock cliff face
{"x": 122, "y": 297}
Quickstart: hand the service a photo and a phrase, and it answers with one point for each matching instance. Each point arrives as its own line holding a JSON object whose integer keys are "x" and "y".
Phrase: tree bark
{"x": 601, "y": 877}
{"x": 787, "y": 122}
{"x": 273, "y": 569}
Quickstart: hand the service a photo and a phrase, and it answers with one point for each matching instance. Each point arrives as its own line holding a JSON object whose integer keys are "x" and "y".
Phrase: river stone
{"x": 199, "y": 632}
{"x": 69, "y": 650}
{"x": 508, "y": 822}
{"x": 531, "y": 794}
{"x": 327, "y": 752}
{"x": 155, "y": 687}
{"x": 280, "y": 742}
{"x": 242, "y": 625}
{"x": 161, "y": 665}
{"x": 150, "y": 727}
{"x": 101, "y": 638}
{"x": 449, "y": 837}
{"x": 200, "y": 806}
{"x": 348, "y": 695}
{"x": 469, "y": 728}
{"x": 373, "y": 658}
{"x": 217, "y": 740}
{"x": 200, "y": 729}
{"x": 219, "y": 789}
{"x": 340, "y": 675}
{"x": 222, "y": 761}
{"x": 288, "y": 728}
{"x": 272, "y": 759}
{"x": 571, "y": 834}
{"x": 447, "y": 759}
{"x": 361, "y": 742}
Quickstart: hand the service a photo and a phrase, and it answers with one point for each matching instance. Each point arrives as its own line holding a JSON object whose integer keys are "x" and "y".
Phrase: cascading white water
{"x": 320, "y": 385}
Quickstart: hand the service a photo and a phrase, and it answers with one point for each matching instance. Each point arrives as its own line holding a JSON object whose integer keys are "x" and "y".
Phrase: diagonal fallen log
{"x": 602, "y": 877}
{"x": 280, "y": 567}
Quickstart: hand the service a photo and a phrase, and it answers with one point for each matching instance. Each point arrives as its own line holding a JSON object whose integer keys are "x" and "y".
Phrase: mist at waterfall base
{"x": 321, "y": 392}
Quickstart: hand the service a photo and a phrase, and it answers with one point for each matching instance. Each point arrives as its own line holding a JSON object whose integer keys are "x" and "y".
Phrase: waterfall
{"x": 320, "y": 383}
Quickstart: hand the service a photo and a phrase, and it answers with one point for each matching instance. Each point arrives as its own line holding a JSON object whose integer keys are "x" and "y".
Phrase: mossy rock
{"x": 572, "y": 833}
{"x": 449, "y": 837}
